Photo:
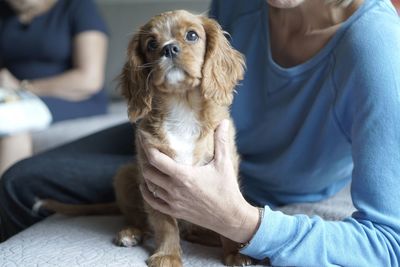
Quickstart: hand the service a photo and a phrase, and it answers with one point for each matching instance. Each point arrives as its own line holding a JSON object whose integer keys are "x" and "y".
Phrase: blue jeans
{"x": 78, "y": 172}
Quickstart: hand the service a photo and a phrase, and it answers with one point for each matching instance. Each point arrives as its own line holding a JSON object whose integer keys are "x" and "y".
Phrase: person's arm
{"x": 368, "y": 112}
{"x": 207, "y": 195}
{"x": 89, "y": 48}
{"x": 87, "y": 75}
{"x": 371, "y": 237}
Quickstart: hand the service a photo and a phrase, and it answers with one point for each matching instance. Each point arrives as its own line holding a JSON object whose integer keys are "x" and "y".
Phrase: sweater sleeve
{"x": 368, "y": 109}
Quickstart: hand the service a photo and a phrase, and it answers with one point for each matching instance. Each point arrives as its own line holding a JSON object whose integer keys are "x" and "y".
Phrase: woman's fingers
{"x": 150, "y": 186}
{"x": 155, "y": 178}
{"x": 158, "y": 192}
{"x": 8, "y": 79}
{"x": 159, "y": 160}
{"x": 155, "y": 200}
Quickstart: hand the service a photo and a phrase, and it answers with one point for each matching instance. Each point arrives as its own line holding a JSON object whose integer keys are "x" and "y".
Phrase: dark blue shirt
{"x": 44, "y": 48}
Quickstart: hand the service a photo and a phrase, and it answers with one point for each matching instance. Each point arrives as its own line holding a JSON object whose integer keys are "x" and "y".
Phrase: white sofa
{"x": 87, "y": 241}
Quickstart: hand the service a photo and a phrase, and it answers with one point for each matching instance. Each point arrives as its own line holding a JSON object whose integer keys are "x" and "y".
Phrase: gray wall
{"x": 124, "y": 17}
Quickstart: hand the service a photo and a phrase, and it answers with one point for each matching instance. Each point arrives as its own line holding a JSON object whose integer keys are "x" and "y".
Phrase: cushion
{"x": 87, "y": 241}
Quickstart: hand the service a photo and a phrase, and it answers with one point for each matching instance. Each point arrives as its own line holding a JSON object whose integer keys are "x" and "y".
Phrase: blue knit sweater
{"x": 305, "y": 132}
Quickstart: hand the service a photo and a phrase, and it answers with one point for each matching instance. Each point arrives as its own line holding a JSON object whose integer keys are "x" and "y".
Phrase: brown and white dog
{"x": 179, "y": 81}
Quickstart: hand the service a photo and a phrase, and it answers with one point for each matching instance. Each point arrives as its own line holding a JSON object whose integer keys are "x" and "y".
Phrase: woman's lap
{"x": 63, "y": 110}
{"x": 78, "y": 172}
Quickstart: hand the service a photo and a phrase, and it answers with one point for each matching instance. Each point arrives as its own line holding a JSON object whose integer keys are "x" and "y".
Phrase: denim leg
{"x": 78, "y": 172}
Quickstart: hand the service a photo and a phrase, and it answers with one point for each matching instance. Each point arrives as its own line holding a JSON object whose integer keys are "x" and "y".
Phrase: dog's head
{"x": 175, "y": 52}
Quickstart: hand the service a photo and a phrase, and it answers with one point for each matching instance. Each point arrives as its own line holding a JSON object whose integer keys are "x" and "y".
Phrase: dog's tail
{"x": 78, "y": 209}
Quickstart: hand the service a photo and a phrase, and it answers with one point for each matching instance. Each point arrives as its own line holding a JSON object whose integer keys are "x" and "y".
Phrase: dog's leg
{"x": 232, "y": 257}
{"x": 166, "y": 234}
{"x": 199, "y": 235}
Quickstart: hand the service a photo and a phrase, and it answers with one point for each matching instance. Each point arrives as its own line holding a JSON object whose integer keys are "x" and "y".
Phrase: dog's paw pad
{"x": 164, "y": 261}
{"x": 237, "y": 259}
{"x": 129, "y": 237}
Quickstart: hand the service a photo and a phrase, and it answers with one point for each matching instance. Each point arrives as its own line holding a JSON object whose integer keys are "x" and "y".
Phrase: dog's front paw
{"x": 237, "y": 259}
{"x": 158, "y": 260}
{"x": 128, "y": 237}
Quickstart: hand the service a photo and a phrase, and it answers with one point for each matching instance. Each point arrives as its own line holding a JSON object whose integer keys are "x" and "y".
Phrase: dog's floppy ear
{"x": 133, "y": 81}
{"x": 223, "y": 66}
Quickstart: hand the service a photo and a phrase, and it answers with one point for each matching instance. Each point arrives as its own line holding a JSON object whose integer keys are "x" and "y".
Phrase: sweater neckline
{"x": 325, "y": 51}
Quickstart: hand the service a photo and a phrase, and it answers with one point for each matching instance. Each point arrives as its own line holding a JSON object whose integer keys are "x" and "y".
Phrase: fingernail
{"x": 150, "y": 186}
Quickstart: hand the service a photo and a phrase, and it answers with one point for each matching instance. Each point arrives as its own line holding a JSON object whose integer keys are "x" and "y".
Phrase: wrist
{"x": 250, "y": 224}
{"x": 248, "y": 220}
{"x": 252, "y": 229}
{"x": 26, "y": 85}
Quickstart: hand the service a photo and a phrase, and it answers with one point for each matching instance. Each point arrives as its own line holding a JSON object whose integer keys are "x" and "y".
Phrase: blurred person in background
{"x": 56, "y": 49}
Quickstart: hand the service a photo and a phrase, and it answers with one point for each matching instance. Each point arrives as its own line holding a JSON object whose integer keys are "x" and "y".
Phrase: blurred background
{"x": 123, "y": 18}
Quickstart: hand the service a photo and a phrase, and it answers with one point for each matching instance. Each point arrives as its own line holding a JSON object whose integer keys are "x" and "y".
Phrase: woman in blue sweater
{"x": 319, "y": 109}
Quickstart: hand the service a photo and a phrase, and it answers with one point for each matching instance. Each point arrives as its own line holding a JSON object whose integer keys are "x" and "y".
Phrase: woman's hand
{"x": 208, "y": 195}
{"x": 7, "y": 80}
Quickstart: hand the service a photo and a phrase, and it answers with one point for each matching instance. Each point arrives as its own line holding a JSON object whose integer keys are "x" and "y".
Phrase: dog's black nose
{"x": 171, "y": 50}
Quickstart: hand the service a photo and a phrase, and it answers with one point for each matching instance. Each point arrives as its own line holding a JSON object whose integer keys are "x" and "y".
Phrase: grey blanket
{"x": 87, "y": 241}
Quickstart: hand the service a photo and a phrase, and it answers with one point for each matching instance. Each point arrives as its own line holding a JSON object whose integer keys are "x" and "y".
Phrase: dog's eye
{"x": 191, "y": 36}
{"x": 152, "y": 45}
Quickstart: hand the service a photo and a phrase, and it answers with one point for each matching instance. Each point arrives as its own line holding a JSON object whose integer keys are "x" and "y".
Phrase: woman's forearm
{"x": 73, "y": 85}
{"x": 87, "y": 74}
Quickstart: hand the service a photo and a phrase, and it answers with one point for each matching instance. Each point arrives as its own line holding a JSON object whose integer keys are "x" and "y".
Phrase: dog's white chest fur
{"x": 175, "y": 76}
{"x": 182, "y": 130}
